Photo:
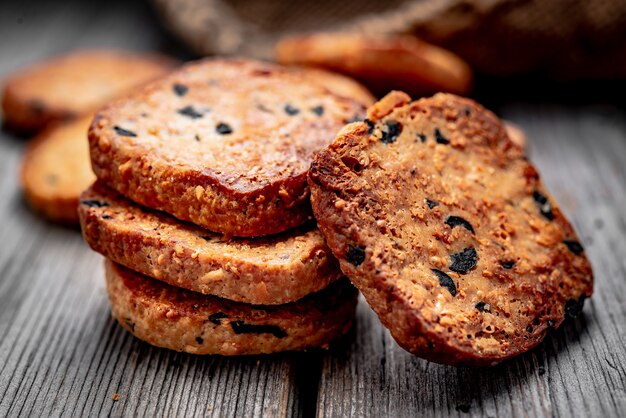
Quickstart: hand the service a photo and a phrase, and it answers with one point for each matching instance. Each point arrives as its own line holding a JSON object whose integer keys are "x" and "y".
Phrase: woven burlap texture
{"x": 566, "y": 39}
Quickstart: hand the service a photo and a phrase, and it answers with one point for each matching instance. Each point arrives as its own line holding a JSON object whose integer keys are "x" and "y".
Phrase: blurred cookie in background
{"x": 381, "y": 63}
{"x": 68, "y": 86}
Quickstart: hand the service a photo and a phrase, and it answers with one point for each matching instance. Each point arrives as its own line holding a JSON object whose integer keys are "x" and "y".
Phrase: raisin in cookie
{"x": 169, "y": 317}
{"x": 55, "y": 170}
{"x": 381, "y": 63}
{"x": 264, "y": 271}
{"x": 225, "y": 144}
{"x": 445, "y": 227}
{"x": 74, "y": 84}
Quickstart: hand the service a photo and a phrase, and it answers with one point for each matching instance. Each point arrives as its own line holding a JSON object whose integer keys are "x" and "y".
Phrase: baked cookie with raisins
{"x": 225, "y": 144}
{"x": 65, "y": 87}
{"x": 262, "y": 271}
{"x": 181, "y": 320}
{"x": 446, "y": 228}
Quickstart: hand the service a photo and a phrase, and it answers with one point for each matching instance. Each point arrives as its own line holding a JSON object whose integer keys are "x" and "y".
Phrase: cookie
{"x": 225, "y": 144}
{"x": 263, "y": 271}
{"x": 446, "y": 228}
{"x": 381, "y": 63}
{"x": 71, "y": 85}
{"x": 55, "y": 170}
{"x": 342, "y": 85}
{"x": 169, "y": 317}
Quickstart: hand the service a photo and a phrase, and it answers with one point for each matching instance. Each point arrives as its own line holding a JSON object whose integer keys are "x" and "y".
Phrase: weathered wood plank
{"x": 577, "y": 371}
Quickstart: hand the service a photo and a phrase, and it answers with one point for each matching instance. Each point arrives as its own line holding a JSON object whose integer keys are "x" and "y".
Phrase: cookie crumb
{"x": 115, "y": 397}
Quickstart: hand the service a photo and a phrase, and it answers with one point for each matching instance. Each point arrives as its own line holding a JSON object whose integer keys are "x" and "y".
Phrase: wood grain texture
{"x": 61, "y": 354}
{"x": 579, "y": 369}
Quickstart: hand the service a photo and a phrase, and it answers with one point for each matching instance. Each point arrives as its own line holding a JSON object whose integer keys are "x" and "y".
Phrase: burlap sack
{"x": 566, "y": 39}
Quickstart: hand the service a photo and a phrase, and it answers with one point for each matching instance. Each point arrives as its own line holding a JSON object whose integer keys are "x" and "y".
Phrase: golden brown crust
{"x": 342, "y": 85}
{"x": 181, "y": 320}
{"x": 381, "y": 63}
{"x": 442, "y": 223}
{"x": 65, "y": 87}
{"x": 263, "y": 271}
{"x": 234, "y": 163}
{"x": 55, "y": 170}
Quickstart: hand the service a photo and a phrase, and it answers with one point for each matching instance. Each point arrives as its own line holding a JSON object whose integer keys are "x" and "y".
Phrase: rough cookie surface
{"x": 265, "y": 271}
{"x": 445, "y": 227}
{"x": 181, "y": 320}
{"x": 225, "y": 144}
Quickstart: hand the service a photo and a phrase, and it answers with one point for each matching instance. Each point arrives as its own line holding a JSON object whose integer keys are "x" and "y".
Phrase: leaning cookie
{"x": 264, "y": 271}
{"x": 445, "y": 227}
{"x": 55, "y": 170}
{"x": 74, "y": 84}
{"x": 225, "y": 144}
{"x": 177, "y": 319}
{"x": 381, "y": 63}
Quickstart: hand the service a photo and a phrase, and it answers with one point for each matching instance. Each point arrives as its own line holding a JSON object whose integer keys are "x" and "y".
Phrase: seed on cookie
{"x": 355, "y": 254}
{"x": 440, "y": 138}
{"x": 543, "y": 204}
{"x": 431, "y": 203}
{"x": 240, "y": 327}
{"x": 446, "y": 281}
{"x": 483, "y": 306}
{"x": 453, "y": 221}
{"x": 464, "y": 261}
{"x": 318, "y": 110}
{"x": 180, "y": 89}
{"x": 217, "y": 317}
{"x": 190, "y": 112}
{"x": 574, "y": 246}
{"x": 124, "y": 132}
{"x": 291, "y": 110}
{"x": 390, "y": 132}
{"x": 223, "y": 128}
{"x": 507, "y": 264}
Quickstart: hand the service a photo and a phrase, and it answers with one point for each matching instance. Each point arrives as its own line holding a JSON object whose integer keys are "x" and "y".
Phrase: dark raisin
{"x": 105, "y": 217}
{"x": 529, "y": 329}
{"x": 124, "y": 132}
{"x": 199, "y": 340}
{"x": 574, "y": 246}
{"x": 190, "y": 112}
{"x": 223, "y": 128}
{"x": 483, "y": 306}
{"x": 453, "y": 221}
{"x": 463, "y": 408}
{"x": 574, "y": 307}
{"x": 240, "y": 327}
{"x": 291, "y": 110}
{"x": 318, "y": 110}
{"x": 467, "y": 111}
{"x": 208, "y": 238}
{"x": 370, "y": 125}
{"x": 390, "y": 132}
{"x": 217, "y": 317}
{"x": 421, "y": 137}
{"x": 94, "y": 203}
{"x": 507, "y": 264}
{"x": 355, "y": 254}
{"x": 431, "y": 203}
{"x": 464, "y": 261}
{"x": 545, "y": 208}
{"x": 446, "y": 281}
{"x": 180, "y": 89}
{"x": 413, "y": 172}
{"x": 541, "y": 370}
{"x": 440, "y": 138}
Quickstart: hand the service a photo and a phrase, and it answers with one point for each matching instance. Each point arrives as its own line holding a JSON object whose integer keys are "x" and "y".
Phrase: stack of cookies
{"x": 202, "y": 208}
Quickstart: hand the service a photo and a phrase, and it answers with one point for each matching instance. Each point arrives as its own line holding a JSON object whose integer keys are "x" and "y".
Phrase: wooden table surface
{"x": 62, "y": 354}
